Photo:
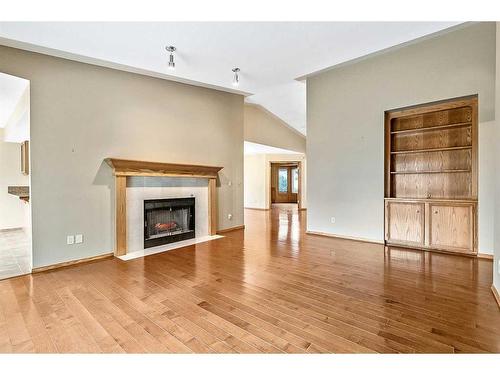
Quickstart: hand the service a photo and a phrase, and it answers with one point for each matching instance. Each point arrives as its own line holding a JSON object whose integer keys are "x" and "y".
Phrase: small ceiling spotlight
{"x": 171, "y": 63}
{"x": 236, "y": 78}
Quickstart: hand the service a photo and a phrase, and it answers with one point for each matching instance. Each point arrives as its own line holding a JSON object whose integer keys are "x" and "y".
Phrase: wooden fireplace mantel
{"x": 123, "y": 168}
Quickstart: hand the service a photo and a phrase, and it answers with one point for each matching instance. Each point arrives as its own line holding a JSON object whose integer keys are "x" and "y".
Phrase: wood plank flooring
{"x": 268, "y": 289}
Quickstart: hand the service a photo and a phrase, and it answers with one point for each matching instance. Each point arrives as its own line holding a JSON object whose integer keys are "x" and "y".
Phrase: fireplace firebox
{"x": 168, "y": 220}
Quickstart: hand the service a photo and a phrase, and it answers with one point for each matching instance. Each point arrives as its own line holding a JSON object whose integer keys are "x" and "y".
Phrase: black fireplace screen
{"x": 168, "y": 220}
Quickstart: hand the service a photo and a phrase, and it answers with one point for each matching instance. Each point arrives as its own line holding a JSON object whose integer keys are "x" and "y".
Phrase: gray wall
{"x": 81, "y": 114}
{"x": 345, "y": 120}
{"x": 261, "y": 126}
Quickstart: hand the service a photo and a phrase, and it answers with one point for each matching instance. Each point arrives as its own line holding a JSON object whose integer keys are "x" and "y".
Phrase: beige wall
{"x": 81, "y": 114}
{"x": 261, "y": 126}
{"x": 14, "y": 213}
{"x": 345, "y": 112}
{"x": 258, "y": 178}
{"x": 486, "y": 209}
{"x": 496, "y": 265}
{"x": 255, "y": 181}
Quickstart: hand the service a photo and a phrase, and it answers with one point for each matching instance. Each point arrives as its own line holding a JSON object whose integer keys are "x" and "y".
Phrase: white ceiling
{"x": 11, "y": 90}
{"x": 271, "y": 55}
{"x": 257, "y": 148}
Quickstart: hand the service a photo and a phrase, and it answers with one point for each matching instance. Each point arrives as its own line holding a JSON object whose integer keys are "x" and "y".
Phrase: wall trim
{"x": 256, "y": 208}
{"x": 231, "y": 229}
{"x": 72, "y": 263}
{"x": 359, "y": 239}
{"x": 485, "y": 256}
{"x": 496, "y": 295}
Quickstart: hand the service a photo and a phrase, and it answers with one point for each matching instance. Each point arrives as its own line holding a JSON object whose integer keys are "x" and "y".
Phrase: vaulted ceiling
{"x": 11, "y": 90}
{"x": 271, "y": 55}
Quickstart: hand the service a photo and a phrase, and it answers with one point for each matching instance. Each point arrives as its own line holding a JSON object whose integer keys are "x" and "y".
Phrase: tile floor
{"x": 15, "y": 253}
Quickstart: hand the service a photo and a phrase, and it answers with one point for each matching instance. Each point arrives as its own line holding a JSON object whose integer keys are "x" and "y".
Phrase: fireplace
{"x": 168, "y": 220}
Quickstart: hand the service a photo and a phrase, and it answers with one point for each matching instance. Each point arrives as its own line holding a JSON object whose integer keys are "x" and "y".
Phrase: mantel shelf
{"x": 124, "y": 167}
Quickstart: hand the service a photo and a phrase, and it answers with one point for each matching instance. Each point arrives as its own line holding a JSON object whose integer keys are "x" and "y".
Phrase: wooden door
{"x": 285, "y": 181}
{"x": 451, "y": 226}
{"x": 404, "y": 223}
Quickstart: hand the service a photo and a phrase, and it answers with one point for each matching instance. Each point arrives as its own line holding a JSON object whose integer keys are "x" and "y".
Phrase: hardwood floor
{"x": 270, "y": 288}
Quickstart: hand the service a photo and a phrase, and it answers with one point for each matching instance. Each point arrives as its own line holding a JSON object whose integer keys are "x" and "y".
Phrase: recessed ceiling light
{"x": 236, "y": 78}
{"x": 171, "y": 63}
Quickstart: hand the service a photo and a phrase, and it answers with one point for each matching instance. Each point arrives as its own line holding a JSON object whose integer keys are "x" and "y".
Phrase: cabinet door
{"x": 452, "y": 226}
{"x": 404, "y": 223}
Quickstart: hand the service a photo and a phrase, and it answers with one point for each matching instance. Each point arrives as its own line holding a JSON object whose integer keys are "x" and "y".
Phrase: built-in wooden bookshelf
{"x": 431, "y": 175}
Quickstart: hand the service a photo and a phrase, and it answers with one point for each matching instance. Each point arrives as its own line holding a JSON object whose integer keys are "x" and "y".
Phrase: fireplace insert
{"x": 168, "y": 220}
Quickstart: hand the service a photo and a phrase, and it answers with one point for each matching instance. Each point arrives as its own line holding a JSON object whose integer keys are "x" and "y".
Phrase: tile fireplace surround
{"x": 144, "y": 188}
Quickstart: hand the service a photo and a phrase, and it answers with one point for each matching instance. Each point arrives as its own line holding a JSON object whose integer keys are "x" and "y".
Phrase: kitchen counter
{"x": 23, "y": 192}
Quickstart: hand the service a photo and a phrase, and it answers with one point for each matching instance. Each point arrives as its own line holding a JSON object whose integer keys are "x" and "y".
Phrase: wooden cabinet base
{"x": 437, "y": 225}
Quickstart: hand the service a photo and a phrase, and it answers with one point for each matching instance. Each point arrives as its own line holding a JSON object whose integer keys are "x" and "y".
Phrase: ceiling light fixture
{"x": 171, "y": 63}
{"x": 236, "y": 78}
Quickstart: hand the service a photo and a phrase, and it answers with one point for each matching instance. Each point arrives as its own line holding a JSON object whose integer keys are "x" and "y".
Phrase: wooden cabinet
{"x": 431, "y": 170}
{"x": 405, "y": 223}
{"x": 451, "y": 226}
{"x": 434, "y": 225}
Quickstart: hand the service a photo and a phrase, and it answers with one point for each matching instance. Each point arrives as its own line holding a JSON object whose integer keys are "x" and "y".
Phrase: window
{"x": 283, "y": 180}
{"x": 295, "y": 180}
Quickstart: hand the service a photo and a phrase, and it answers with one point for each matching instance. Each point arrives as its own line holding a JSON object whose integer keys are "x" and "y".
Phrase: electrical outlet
{"x": 79, "y": 238}
{"x": 332, "y": 220}
{"x": 230, "y": 216}
{"x": 229, "y": 183}
{"x": 70, "y": 240}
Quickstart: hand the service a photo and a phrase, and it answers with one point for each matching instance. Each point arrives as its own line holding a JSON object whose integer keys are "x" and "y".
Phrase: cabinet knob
{"x": 418, "y": 211}
{"x": 436, "y": 211}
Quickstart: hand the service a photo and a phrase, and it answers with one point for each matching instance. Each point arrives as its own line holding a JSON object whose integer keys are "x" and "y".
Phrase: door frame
{"x": 269, "y": 187}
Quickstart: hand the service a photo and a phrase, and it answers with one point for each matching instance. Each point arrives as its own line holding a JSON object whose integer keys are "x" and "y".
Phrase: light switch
{"x": 79, "y": 238}
{"x": 70, "y": 240}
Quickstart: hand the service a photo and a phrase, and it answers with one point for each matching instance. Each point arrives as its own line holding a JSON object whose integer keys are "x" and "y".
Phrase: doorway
{"x": 285, "y": 182}
{"x": 15, "y": 208}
